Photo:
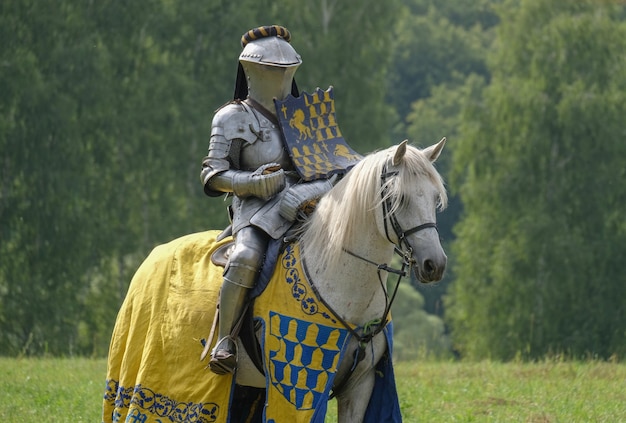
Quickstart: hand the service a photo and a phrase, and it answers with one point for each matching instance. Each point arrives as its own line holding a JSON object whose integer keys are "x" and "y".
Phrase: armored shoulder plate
{"x": 236, "y": 121}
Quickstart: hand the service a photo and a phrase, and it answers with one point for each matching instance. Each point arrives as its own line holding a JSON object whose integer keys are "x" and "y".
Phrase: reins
{"x": 376, "y": 326}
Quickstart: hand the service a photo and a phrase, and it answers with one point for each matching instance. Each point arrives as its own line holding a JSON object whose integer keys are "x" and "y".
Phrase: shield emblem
{"x": 303, "y": 358}
{"x": 312, "y": 136}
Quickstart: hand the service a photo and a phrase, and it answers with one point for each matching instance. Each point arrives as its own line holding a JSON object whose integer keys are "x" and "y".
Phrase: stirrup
{"x": 224, "y": 356}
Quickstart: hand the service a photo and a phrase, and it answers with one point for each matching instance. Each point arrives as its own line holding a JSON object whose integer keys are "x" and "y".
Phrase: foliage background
{"x": 105, "y": 111}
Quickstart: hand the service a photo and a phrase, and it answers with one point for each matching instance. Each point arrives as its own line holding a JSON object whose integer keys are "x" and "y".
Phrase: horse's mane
{"x": 349, "y": 207}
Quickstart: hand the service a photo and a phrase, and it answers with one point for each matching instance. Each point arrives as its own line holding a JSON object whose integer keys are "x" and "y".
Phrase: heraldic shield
{"x": 312, "y": 135}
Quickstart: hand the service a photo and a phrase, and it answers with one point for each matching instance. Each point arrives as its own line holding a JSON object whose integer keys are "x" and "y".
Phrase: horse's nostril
{"x": 429, "y": 267}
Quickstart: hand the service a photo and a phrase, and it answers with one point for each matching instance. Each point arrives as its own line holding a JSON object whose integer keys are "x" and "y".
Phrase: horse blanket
{"x": 154, "y": 373}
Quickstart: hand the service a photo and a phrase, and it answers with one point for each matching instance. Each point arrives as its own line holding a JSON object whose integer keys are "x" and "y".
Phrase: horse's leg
{"x": 354, "y": 397}
{"x": 353, "y": 400}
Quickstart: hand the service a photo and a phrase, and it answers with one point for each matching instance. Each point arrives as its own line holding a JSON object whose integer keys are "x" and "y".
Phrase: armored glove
{"x": 302, "y": 198}
{"x": 265, "y": 182}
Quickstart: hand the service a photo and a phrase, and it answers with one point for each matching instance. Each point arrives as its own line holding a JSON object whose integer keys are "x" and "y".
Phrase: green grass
{"x": 513, "y": 392}
{"x": 70, "y": 390}
{"x": 51, "y": 390}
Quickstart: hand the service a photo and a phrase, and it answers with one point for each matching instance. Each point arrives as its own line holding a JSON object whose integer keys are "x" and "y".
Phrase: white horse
{"x": 387, "y": 203}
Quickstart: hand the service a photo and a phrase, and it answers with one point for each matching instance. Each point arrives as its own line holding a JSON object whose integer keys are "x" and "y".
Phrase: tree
{"x": 539, "y": 245}
{"x": 49, "y": 176}
{"x": 434, "y": 44}
{"x": 416, "y": 333}
{"x": 97, "y": 101}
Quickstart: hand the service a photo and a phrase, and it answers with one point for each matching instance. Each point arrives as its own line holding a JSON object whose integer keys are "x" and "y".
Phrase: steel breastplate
{"x": 267, "y": 148}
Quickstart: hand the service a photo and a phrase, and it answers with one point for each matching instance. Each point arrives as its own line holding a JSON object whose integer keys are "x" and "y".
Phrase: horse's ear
{"x": 400, "y": 151}
{"x": 432, "y": 152}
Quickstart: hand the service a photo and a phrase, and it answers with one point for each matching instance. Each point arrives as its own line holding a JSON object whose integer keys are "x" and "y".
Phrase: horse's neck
{"x": 353, "y": 288}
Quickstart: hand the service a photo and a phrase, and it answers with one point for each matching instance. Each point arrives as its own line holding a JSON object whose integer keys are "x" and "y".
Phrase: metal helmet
{"x": 269, "y": 45}
{"x": 265, "y": 48}
{"x": 271, "y": 51}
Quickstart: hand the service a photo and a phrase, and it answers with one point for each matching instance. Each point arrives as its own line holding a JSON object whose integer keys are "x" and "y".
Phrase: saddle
{"x": 220, "y": 255}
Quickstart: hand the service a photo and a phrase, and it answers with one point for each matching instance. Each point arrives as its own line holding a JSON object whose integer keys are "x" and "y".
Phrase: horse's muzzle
{"x": 430, "y": 269}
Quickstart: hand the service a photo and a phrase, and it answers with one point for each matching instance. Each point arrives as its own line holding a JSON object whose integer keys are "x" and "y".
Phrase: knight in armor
{"x": 247, "y": 158}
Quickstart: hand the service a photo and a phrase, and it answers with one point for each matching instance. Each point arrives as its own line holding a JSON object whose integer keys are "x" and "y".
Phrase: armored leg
{"x": 240, "y": 275}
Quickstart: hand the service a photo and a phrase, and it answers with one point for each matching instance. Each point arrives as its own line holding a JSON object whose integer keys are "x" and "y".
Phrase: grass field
{"x": 70, "y": 390}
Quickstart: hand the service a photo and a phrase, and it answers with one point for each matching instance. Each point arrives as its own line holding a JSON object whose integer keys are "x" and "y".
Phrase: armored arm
{"x": 265, "y": 182}
{"x": 220, "y": 174}
{"x": 302, "y": 198}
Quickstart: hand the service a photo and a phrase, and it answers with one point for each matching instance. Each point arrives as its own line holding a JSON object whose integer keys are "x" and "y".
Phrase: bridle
{"x": 390, "y": 220}
{"x": 400, "y": 233}
{"x": 376, "y": 326}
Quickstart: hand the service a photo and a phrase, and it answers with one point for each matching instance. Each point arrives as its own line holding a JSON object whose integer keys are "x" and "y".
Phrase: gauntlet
{"x": 302, "y": 198}
{"x": 265, "y": 182}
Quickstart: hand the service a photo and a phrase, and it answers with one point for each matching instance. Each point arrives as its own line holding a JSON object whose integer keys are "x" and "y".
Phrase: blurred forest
{"x": 105, "y": 115}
